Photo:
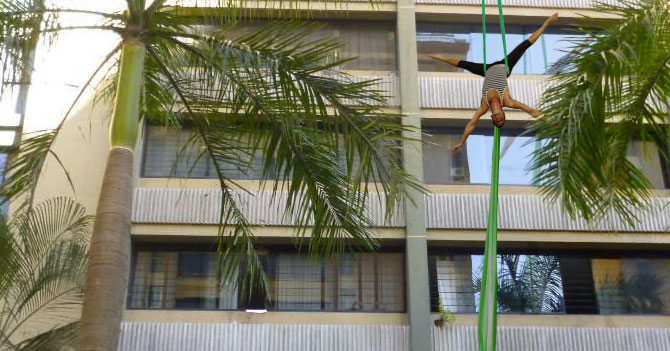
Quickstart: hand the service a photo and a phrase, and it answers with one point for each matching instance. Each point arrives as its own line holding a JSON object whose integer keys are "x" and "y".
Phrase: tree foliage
{"x": 611, "y": 88}
{"x": 276, "y": 94}
{"x": 42, "y": 266}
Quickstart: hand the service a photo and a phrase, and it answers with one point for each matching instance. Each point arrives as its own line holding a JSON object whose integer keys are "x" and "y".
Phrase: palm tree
{"x": 42, "y": 266}
{"x": 611, "y": 87}
{"x": 275, "y": 91}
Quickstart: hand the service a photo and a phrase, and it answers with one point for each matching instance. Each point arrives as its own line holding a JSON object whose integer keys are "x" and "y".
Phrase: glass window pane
{"x": 645, "y": 156}
{"x": 472, "y": 163}
{"x": 361, "y": 282}
{"x": 166, "y": 156}
{"x": 578, "y": 288}
{"x": 371, "y": 43}
{"x": 179, "y": 280}
{"x": 189, "y": 280}
{"x": 580, "y": 283}
{"x": 606, "y": 281}
{"x": 526, "y": 283}
{"x": 632, "y": 285}
{"x": 390, "y": 283}
{"x": 465, "y": 42}
{"x": 454, "y": 283}
{"x": 299, "y": 283}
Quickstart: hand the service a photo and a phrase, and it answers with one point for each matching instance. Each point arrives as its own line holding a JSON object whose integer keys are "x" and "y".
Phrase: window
{"x": 646, "y": 157}
{"x": 189, "y": 280}
{"x": 372, "y": 43}
{"x": 179, "y": 280}
{"x": 526, "y": 283}
{"x": 172, "y": 153}
{"x": 464, "y": 41}
{"x": 554, "y": 283}
{"x": 472, "y": 163}
{"x": 360, "y": 282}
{"x": 632, "y": 285}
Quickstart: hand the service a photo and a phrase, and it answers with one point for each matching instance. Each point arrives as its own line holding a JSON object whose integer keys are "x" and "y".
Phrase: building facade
{"x": 563, "y": 284}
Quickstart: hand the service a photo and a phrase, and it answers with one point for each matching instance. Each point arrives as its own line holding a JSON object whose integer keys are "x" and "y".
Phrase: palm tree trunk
{"x": 109, "y": 254}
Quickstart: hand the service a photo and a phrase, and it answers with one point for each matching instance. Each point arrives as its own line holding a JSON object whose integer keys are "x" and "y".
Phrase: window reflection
{"x": 372, "y": 43}
{"x": 584, "y": 283}
{"x": 646, "y": 157}
{"x": 464, "y": 41}
{"x": 638, "y": 286}
{"x": 179, "y": 280}
{"x": 360, "y": 282}
{"x": 190, "y": 280}
{"x": 526, "y": 283}
{"x": 175, "y": 153}
{"x": 472, "y": 164}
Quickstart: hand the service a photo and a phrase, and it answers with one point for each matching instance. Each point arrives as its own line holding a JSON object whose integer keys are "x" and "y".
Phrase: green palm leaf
{"x": 612, "y": 87}
{"x": 274, "y": 94}
{"x": 42, "y": 258}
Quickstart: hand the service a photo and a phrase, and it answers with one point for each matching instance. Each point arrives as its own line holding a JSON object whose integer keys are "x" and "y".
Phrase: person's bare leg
{"x": 451, "y": 61}
{"x": 533, "y": 38}
{"x": 511, "y": 103}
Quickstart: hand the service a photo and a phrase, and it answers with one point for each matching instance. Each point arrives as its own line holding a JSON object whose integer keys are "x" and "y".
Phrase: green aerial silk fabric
{"x": 488, "y": 293}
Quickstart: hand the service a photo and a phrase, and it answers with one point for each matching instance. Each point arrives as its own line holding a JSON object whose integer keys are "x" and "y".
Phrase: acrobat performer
{"x": 495, "y": 93}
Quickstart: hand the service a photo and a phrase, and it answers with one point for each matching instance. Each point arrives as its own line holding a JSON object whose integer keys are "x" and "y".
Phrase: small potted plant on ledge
{"x": 445, "y": 315}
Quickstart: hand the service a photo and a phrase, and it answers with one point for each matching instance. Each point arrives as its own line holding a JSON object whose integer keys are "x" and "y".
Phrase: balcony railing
{"x": 279, "y": 337}
{"x": 464, "y": 91}
{"x": 443, "y": 211}
{"x": 455, "y": 90}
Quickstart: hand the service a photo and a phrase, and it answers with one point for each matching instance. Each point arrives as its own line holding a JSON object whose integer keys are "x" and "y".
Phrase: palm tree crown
{"x": 273, "y": 94}
{"x": 611, "y": 88}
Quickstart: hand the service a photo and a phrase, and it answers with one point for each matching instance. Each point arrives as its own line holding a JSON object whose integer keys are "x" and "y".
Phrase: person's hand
{"x": 433, "y": 56}
{"x": 553, "y": 18}
{"x": 455, "y": 148}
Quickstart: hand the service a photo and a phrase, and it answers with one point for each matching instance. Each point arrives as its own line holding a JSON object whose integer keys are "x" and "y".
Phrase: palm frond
{"x": 274, "y": 95}
{"x": 60, "y": 338}
{"x": 46, "y": 248}
{"x": 615, "y": 87}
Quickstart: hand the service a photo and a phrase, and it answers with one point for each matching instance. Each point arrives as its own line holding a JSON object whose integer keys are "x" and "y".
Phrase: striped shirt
{"x": 496, "y": 79}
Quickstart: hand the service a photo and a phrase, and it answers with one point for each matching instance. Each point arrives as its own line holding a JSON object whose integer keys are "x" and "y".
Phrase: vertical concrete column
{"x": 418, "y": 305}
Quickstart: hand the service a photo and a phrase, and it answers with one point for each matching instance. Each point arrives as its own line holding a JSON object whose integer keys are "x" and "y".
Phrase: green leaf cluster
{"x": 611, "y": 88}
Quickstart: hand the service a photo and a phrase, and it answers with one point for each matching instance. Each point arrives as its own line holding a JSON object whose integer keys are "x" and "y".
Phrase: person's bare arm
{"x": 521, "y": 106}
{"x": 471, "y": 125}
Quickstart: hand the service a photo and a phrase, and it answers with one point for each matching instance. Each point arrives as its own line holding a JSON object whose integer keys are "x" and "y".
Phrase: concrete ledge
{"x": 314, "y": 318}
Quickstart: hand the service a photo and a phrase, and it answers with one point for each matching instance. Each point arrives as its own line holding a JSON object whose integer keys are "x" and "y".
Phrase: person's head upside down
{"x": 497, "y": 113}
